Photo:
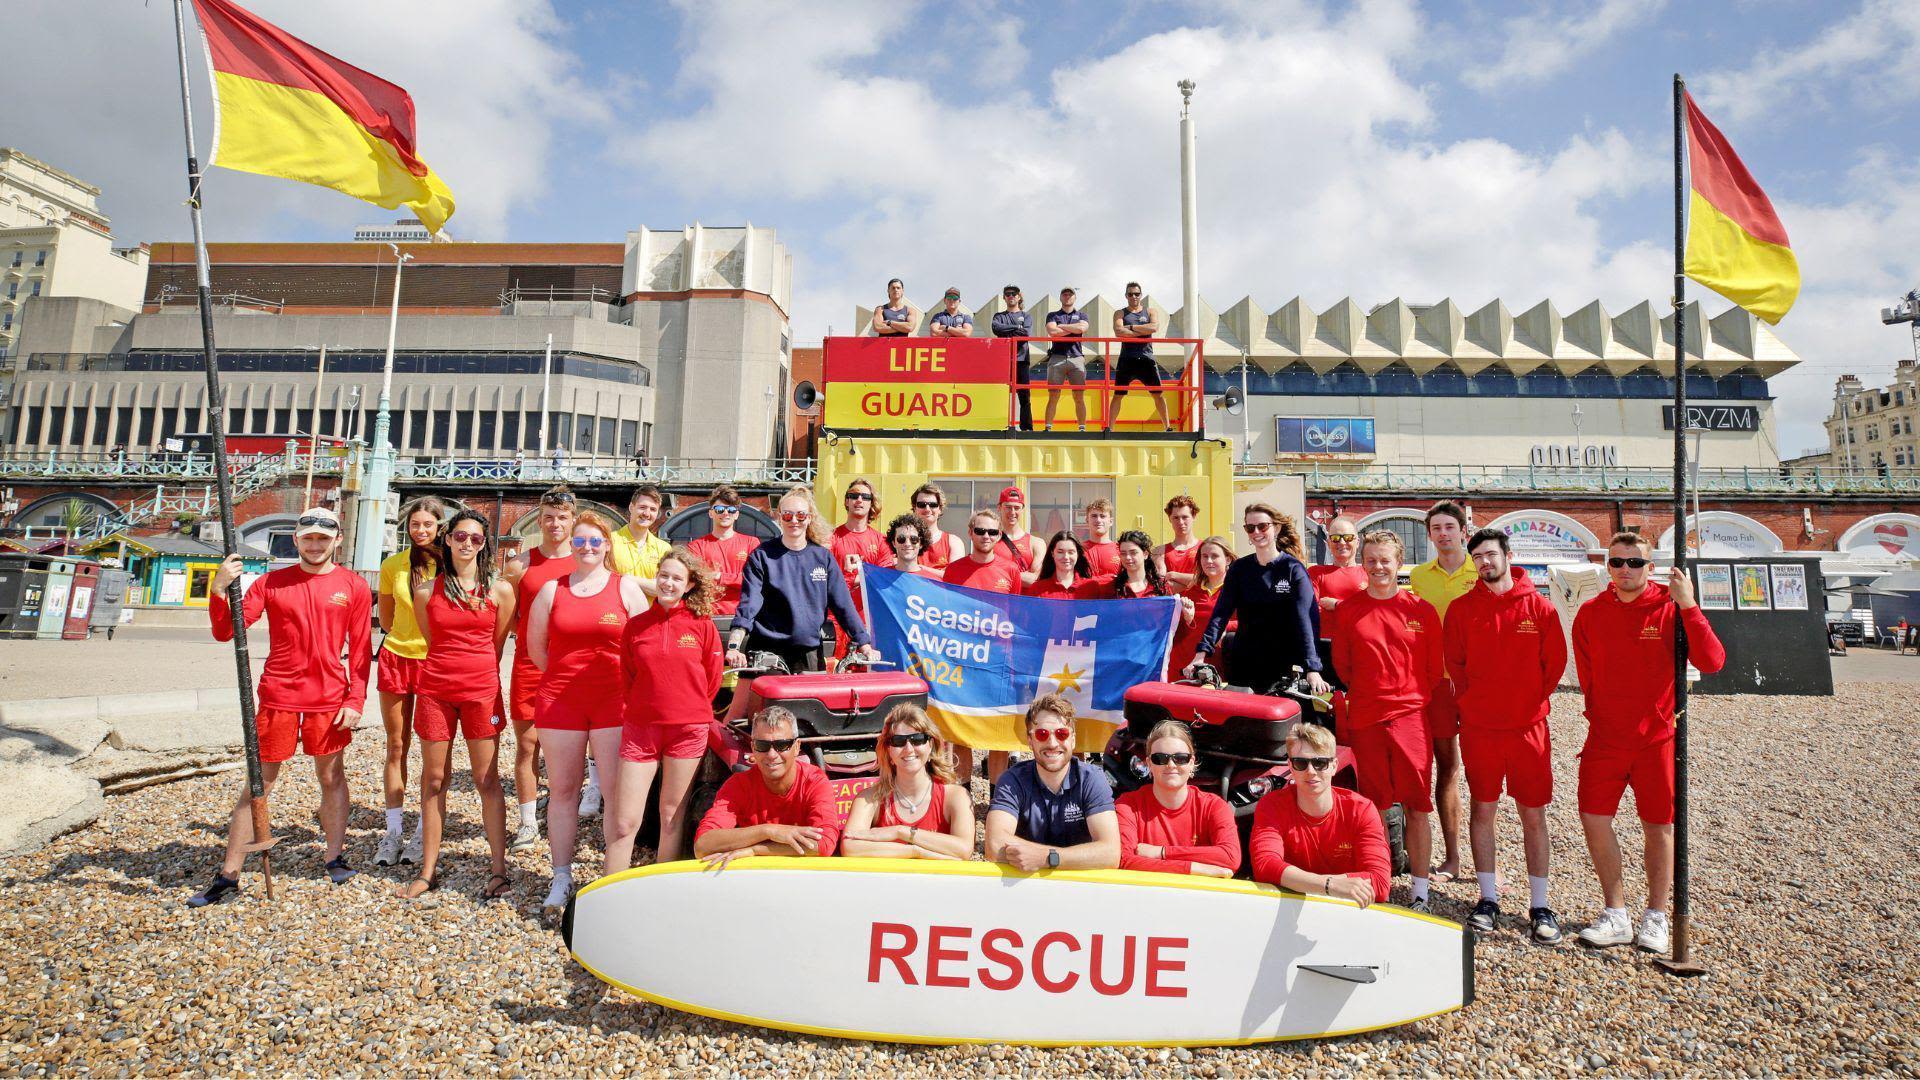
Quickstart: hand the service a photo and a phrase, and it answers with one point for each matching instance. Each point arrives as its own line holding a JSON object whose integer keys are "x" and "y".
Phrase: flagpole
{"x": 263, "y": 841}
{"x": 1681, "y": 962}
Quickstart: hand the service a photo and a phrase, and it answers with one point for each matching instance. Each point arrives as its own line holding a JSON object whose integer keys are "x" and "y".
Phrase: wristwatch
{"x": 1053, "y": 858}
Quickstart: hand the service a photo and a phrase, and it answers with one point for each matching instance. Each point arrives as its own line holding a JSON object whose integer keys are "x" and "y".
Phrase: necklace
{"x": 910, "y": 808}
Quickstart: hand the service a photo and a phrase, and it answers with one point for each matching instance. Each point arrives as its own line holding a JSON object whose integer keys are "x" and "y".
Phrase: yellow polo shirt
{"x": 638, "y": 558}
{"x": 396, "y": 580}
{"x": 1439, "y": 588}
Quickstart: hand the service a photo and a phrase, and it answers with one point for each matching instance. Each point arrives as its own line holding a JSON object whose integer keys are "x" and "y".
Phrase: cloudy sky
{"x": 1379, "y": 148}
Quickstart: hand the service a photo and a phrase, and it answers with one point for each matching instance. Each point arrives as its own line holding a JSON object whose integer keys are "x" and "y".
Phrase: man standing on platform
{"x": 896, "y": 317}
{"x": 1016, "y": 321}
{"x": 950, "y": 321}
{"x": 1505, "y": 654}
{"x": 1440, "y": 582}
{"x": 1623, "y": 652}
{"x": 1066, "y": 360}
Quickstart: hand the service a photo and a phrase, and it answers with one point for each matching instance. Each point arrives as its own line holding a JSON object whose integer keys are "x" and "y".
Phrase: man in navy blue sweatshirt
{"x": 1270, "y": 591}
{"x": 786, "y": 589}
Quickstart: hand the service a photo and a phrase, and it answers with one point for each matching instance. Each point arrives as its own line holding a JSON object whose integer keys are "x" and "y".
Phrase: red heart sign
{"x": 1893, "y": 536}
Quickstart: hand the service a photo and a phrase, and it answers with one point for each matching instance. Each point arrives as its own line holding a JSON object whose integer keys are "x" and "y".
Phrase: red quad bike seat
{"x": 851, "y": 703}
{"x": 1254, "y": 725}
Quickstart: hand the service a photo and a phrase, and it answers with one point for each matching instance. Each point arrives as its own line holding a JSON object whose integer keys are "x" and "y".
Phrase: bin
{"x": 109, "y": 599}
{"x": 86, "y": 585}
{"x": 23, "y": 584}
{"x": 53, "y": 605}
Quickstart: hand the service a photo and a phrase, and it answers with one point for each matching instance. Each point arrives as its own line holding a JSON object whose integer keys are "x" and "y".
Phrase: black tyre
{"x": 1396, "y": 820}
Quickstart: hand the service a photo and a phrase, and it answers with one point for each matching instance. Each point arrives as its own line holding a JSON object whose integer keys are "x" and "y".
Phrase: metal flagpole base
{"x": 1680, "y": 964}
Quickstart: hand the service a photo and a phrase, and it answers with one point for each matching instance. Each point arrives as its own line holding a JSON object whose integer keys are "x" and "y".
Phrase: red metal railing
{"x": 1185, "y": 387}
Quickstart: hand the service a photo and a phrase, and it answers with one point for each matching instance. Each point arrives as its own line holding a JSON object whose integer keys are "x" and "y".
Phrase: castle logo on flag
{"x": 986, "y": 656}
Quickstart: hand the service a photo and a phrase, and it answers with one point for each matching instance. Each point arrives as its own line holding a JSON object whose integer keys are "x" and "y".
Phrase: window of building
{"x": 6, "y": 321}
{"x": 417, "y": 429}
{"x": 258, "y": 423}
{"x": 148, "y": 417}
{"x": 123, "y": 425}
{"x": 559, "y": 430}
{"x": 583, "y": 432}
{"x": 33, "y": 426}
{"x": 13, "y": 289}
{"x": 488, "y": 421}
{"x": 40, "y": 257}
{"x": 604, "y": 438}
{"x": 1412, "y": 532}
{"x": 965, "y": 494}
{"x": 442, "y": 427}
{"x": 102, "y": 425}
{"x": 646, "y": 439}
{"x": 36, "y": 290}
{"x": 236, "y": 420}
{"x": 56, "y": 425}
{"x": 1060, "y": 504}
{"x": 169, "y": 422}
{"x": 509, "y": 430}
{"x": 629, "y": 434}
{"x": 18, "y": 256}
{"x": 327, "y": 420}
{"x": 283, "y": 421}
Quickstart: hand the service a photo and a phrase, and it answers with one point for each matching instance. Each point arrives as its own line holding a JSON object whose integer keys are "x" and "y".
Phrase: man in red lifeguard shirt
{"x": 1623, "y": 651}
{"x": 1505, "y": 653}
{"x": 1341, "y": 578}
{"x": 782, "y": 806}
{"x": 985, "y": 567}
{"x": 1314, "y": 838}
{"x": 308, "y": 697}
{"x": 724, "y": 550}
{"x": 1103, "y": 553}
{"x": 1386, "y": 646}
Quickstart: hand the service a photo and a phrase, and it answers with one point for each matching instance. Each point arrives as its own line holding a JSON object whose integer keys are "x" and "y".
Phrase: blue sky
{"x": 1376, "y": 149}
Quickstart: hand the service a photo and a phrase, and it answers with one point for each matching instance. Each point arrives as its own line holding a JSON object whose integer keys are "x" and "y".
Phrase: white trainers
{"x": 1652, "y": 935}
{"x": 526, "y": 837}
{"x": 561, "y": 892}
{"x": 1611, "y": 928}
{"x": 415, "y": 850}
{"x": 389, "y": 851}
{"x": 589, "y": 801}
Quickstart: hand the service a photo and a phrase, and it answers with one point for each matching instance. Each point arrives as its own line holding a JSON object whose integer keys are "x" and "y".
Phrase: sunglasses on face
{"x": 583, "y": 542}
{"x": 917, "y": 738}
{"x": 725, "y": 509}
{"x": 926, "y": 505}
{"x": 1133, "y": 292}
{"x": 1315, "y": 764}
{"x": 1181, "y": 758}
{"x": 1342, "y": 538}
{"x": 1631, "y": 564}
{"x": 1254, "y": 527}
{"x": 986, "y": 532}
{"x": 778, "y": 746}
{"x": 907, "y": 538}
{"x": 466, "y": 538}
{"x": 1061, "y": 735}
{"x": 795, "y": 515}
{"x": 859, "y": 496}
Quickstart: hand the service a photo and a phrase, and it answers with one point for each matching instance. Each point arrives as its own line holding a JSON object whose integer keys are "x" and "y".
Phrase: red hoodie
{"x": 1505, "y": 654}
{"x": 1624, "y": 654}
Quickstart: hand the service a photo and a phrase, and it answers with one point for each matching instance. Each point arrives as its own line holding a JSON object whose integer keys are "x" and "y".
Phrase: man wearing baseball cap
{"x": 1066, "y": 362}
{"x": 1015, "y": 321}
{"x": 950, "y": 321}
{"x": 308, "y": 697}
{"x": 1017, "y": 545}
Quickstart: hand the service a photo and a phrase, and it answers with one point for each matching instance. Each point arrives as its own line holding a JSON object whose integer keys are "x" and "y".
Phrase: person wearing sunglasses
{"x": 788, "y": 587}
{"x": 466, "y": 612}
{"x": 1623, "y": 652}
{"x": 1342, "y": 576}
{"x": 857, "y": 544}
{"x": 316, "y": 610}
{"x": 918, "y": 809}
{"x": 1199, "y": 599}
{"x": 950, "y": 321}
{"x": 577, "y": 626}
{"x": 907, "y": 537}
{"x": 942, "y": 547}
{"x": 782, "y": 806}
{"x": 402, "y": 651}
{"x": 1016, "y": 322}
{"x": 1317, "y": 839}
{"x": 1271, "y": 595}
{"x": 1053, "y": 812}
{"x": 1135, "y": 364}
{"x": 985, "y": 567}
{"x": 724, "y": 548}
{"x": 1169, "y": 826}
{"x": 672, "y": 671}
{"x": 1505, "y": 652}
{"x": 1440, "y": 581}
{"x": 1387, "y": 646}
{"x": 1176, "y": 556}
{"x": 546, "y": 561}
{"x": 1066, "y": 574}
{"x": 637, "y": 548}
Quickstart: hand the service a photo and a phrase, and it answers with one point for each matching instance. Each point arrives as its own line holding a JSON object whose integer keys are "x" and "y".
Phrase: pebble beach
{"x": 1804, "y": 888}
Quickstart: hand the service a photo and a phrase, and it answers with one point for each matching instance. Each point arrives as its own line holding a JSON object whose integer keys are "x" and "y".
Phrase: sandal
{"x": 409, "y": 892}
{"x": 498, "y": 887}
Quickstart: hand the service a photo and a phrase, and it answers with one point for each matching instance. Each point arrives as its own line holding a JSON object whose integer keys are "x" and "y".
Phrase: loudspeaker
{"x": 806, "y": 396}
{"x": 1231, "y": 401}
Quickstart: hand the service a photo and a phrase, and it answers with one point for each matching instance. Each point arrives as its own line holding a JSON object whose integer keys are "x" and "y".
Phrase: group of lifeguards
{"x": 617, "y": 663}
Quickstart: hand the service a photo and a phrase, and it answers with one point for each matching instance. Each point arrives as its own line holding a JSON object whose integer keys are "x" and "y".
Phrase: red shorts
{"x": 557, "y": 715}
{"x": 399, "y": 674}
{"x": 1518, "y": 762}
{"x": 1443, "y": 713}
{"x": 1394, "y": 760}
{"x": 651, "y": 742}
{"x": 1606, "y": 772}
{"x": 434, "y": 719}
{"x": 523, "y": 696}
{"x": 281, "y": 730}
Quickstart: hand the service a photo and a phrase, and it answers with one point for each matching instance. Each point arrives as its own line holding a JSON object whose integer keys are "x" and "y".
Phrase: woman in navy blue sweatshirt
{"x": 787, "y": 588}
{"x": 1273, "y": 596}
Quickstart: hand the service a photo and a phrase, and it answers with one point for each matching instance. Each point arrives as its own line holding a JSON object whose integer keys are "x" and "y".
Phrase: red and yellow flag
{"x": 284, "y": 108}
{"x": 1736, "y": 245}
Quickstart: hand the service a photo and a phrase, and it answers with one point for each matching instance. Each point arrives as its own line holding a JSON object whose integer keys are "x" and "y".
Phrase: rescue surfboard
{"x": 901, "y": 950}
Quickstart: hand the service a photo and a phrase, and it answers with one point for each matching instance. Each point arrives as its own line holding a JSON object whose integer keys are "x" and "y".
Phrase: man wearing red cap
{"x": 1017, "y": 545}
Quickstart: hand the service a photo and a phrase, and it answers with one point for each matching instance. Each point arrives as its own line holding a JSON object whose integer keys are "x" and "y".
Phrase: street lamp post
{"x": 373, "y": 494}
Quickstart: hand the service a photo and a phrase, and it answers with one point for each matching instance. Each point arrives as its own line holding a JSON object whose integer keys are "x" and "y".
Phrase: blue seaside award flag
{"x": 986, "y": 656}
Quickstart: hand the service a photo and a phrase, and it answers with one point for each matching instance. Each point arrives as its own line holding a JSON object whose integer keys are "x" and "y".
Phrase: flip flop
{"x": 408, "y": 892}
{"x": 498, "y": 886}
{"x": 1445, "y": 876}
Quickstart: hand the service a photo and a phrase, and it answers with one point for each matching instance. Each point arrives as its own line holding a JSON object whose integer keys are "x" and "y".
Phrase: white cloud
{"x": 101, "y": 96}
{"x": 1868, "y": 56}
{"x": 1546, "y": 43}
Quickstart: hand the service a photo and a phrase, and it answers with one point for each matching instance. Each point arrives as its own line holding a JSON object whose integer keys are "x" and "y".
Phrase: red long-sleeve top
{"x": 1349, "y": 839}
{"x": 672, "y": 663}
{"x": 311, "y": 620}
{"x": 1624, "y": 656}
{"x": 1505, "y": 654}
{"x": 1202, "y": 830}
{"x": 1388, "y": 652}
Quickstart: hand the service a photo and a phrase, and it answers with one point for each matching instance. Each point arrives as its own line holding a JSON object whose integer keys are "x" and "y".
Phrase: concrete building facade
{"x": 55, "y": 241}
